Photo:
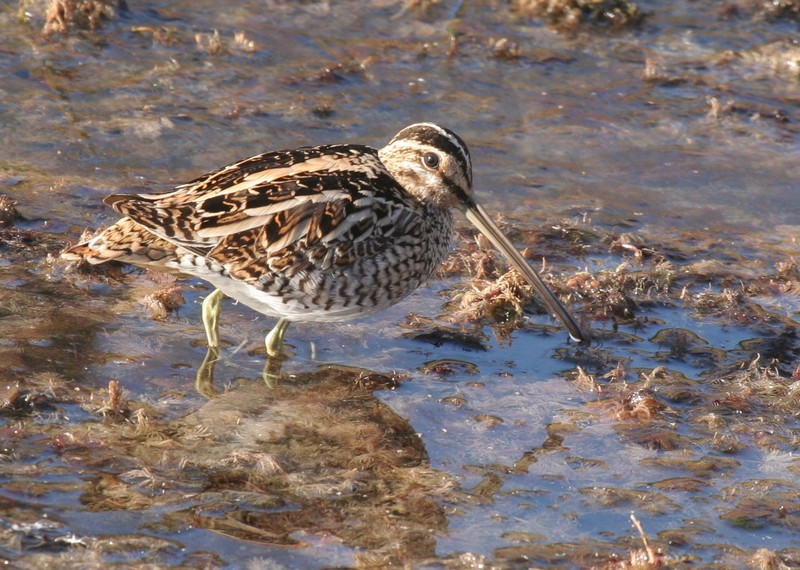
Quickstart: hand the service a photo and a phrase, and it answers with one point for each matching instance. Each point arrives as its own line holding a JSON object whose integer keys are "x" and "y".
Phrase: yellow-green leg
{"x": 204, "y": 380}
{"x": 274, "y": 340}
{"x": 212, "y": 305}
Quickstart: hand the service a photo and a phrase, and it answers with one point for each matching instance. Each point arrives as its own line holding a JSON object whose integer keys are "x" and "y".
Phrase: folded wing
{"x": 289, "y": 210}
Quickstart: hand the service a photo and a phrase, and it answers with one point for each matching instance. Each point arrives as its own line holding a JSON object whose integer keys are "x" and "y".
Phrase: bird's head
{"x": 432, "y": 164}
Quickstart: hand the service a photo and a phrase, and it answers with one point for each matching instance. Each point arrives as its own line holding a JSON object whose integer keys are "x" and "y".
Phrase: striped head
{"x": 432, "y": 163}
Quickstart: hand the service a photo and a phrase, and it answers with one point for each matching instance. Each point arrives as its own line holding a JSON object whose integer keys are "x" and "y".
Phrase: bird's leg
{"x": 272, "y": 370}
{"x": 211, "y": 308}
{"x": 204, "y": 380}
{"x": 274, "y": 340}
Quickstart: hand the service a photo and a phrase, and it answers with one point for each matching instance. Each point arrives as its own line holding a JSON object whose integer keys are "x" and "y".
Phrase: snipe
{"x": 325, "y": 233}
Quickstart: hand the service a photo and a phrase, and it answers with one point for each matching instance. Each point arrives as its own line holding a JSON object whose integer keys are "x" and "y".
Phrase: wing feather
{"x": 287, "y": 207}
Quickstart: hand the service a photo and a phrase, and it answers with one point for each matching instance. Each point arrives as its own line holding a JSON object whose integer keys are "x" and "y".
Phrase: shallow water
{"x": 604, "y": 151}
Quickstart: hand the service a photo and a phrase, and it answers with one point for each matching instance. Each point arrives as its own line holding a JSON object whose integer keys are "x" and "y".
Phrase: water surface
{"x": 606, "y": 151}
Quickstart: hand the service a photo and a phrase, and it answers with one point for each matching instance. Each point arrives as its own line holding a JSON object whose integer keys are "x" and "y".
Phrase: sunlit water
{"x": 683, "y": 133}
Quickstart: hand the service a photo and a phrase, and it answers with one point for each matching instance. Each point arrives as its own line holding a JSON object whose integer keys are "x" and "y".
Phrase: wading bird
{"x": 324, "y": 233}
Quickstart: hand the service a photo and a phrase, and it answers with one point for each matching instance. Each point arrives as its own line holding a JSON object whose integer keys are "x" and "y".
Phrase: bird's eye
{"x": 430, "y": 160}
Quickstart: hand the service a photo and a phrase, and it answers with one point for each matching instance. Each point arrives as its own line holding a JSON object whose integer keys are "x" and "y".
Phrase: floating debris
{"x": 571, "y": 15}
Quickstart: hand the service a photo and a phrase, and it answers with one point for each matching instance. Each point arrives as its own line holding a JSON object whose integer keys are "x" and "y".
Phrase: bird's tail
{"x": 125, "y": 241}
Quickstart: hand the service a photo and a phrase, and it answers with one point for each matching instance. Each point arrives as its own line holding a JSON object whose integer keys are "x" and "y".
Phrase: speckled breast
{"x": 337, "y": 286}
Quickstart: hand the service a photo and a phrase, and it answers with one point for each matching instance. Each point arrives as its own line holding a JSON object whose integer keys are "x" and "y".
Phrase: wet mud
{"x": 643, "y": 156}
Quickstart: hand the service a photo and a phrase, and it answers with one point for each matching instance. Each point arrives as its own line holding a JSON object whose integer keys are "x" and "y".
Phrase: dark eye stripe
{"x": 442, "y": 139}
{"x": 458, "y": 192}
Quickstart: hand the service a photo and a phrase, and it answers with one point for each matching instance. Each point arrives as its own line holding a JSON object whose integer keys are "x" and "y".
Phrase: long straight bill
{"x": 477, "y": 215}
